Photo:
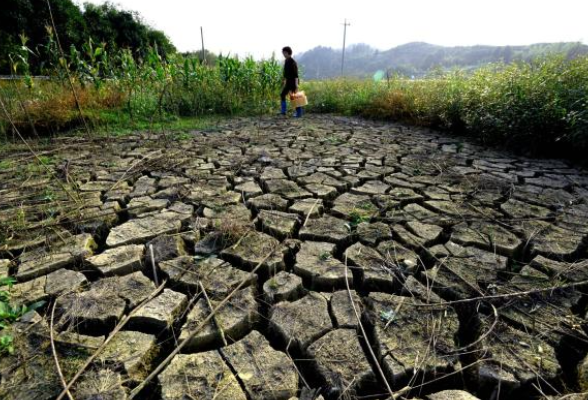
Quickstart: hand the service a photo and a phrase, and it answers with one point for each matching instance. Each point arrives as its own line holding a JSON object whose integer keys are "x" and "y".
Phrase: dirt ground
{"x": 342, "y": 258}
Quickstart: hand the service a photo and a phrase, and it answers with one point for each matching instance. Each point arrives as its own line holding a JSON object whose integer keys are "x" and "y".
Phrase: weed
{"x": 324, "y": 256}
{"x": 273, "y": 284}
{"x": 9, "y": 314}
{"x": 5, "y": 164}
{"x": 358, "y": 217}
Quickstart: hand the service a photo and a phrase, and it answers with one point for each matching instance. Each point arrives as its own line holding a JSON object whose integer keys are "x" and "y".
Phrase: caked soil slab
{"x": 278, "y": 224}
{"x": 376, "y": 273}
{"x": 232, "y": 322}
{"x": 103, "y": 384}
{"x": 513, "y": 358}
{"x": 308, "y": 208}
{"x": 256, "y": 248}
{"x": 345, "y": 312}
{"x": 451, "y": 395}
{"x": 143, "y": 230}
{"x": 297, "y": 324}
{"x": 218, "y": 277}
{"x": 159, "y": 313}
{"x": 373, "y": 234}
{"x": 407, "y": 329}
{"x": 134, "y": 352}
{"x": 420, "y": 219}
{"x": 265, "y": 372}
{"x": 318, "y": 267}
{"x": 199, "y": 376}
{"x": 341, "y": 362}
{"x": 283, "y": 286}
{"x": 326, "y": 229}
{"x": 118, "y": 261}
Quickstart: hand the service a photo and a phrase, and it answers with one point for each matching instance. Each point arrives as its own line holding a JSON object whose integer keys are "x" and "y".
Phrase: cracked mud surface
{"x": 466, "y": 267}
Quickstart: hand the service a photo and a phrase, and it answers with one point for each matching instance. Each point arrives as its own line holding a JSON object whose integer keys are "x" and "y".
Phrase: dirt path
{"x": 338, "y": 218}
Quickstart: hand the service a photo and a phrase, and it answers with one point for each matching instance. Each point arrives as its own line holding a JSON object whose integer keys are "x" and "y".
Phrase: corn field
{"x": 97, "y": 87}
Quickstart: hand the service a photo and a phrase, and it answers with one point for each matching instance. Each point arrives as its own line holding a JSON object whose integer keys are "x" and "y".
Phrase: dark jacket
{"x": 290, "y": 69}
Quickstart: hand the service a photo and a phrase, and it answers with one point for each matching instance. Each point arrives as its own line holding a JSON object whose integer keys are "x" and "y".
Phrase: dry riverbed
{"x": 344, "y": 258}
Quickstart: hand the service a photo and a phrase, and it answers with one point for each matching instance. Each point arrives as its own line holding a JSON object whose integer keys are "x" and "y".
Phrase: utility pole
{"x": 202, "y": 37}
{"x": 345, "y": 25}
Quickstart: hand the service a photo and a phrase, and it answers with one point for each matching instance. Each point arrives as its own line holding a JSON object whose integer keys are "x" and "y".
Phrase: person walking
{"x": 290, "y": 82}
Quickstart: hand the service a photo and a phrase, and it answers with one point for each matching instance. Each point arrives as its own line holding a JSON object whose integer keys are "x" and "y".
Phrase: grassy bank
{"x": 541, "y": 106}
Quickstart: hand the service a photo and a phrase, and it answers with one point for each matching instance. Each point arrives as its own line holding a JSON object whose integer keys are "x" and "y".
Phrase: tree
{"x": 103, "y": 24}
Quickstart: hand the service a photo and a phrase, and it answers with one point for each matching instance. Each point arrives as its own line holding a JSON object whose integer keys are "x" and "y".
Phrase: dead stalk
{"x": 201, "y": 325}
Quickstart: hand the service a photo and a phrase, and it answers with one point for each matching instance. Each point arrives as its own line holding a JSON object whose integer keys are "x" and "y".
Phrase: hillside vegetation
{"x": 419, "y": 58}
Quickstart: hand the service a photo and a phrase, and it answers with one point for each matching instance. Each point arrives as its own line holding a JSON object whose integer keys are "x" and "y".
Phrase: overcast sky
{"x": 260, "y": 27}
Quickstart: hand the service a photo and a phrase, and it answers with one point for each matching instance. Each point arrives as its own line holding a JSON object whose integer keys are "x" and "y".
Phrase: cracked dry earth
{"x": 335, "y": 241}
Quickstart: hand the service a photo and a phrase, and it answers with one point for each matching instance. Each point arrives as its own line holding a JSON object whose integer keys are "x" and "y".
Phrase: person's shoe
{"x": 284, "y": 108}
{"x": 298, "y": 112}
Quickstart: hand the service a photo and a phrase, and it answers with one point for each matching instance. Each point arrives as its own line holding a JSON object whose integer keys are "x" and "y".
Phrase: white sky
{"x": 260, "y": 27}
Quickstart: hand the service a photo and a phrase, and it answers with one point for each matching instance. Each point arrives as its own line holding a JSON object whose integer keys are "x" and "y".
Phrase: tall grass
{"x": 151, "y": 89}
{"x": 540, "y": 106}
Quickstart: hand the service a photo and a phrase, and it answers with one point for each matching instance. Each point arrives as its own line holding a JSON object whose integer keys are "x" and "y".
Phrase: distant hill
{"x": 417, "y": 58}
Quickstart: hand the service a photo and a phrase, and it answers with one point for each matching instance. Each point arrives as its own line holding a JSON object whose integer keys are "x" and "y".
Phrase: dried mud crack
{"x": 389, "y": 262}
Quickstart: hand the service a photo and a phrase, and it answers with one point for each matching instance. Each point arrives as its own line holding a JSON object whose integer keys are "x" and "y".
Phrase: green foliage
{"x": 106, "y": 24}
{"x": 540, "y": 106}
{"x": 10, "y": 313}
{"x": 357, "y": 217}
